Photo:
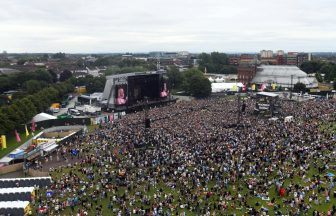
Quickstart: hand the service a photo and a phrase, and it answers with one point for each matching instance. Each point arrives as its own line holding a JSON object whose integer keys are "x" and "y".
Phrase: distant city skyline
{"x": 103, "y": 26}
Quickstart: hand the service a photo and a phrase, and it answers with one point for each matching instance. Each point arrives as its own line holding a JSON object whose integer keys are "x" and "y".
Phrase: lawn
{"x": 328, "y": 128}
{"x": 13, "y": 144}
{"x": 251, "y": 200}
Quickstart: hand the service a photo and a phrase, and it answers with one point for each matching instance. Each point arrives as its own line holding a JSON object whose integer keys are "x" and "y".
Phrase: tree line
{"x": 319, "y": 68}
{"x": 19, "y": 80}
{"x": 22, "y": 110}
{"x": 215, "y": 62}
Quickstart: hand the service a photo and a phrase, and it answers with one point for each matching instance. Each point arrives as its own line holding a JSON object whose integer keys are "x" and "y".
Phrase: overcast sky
{"x": 74, "y": 26}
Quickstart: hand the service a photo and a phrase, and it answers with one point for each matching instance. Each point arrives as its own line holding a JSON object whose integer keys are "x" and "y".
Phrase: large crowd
{"x": 194, "y": 160}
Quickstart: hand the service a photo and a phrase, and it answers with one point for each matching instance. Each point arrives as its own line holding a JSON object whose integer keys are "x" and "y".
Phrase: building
{"x": 284, "y": 76}
{"x": 292, "y": 58}
{"x": 246, "y": 73}
{"x": 234, "y": 60}
{"x": 281, "y": 60}
{"x": 247, "y": 59}
{"x": 266, "y": 54}
{"x": 280, "y": 53}
{"x": 269, "y": 61}
{"x": 310, "y": 57}
{"x": 263, "y": 54}
{"x": 127, "y": 56}
{"x": 302, "y": 57}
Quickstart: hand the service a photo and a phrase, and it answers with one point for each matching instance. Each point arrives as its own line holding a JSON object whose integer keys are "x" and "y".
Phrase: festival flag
{"x": 244, "y": 88}
{"x": 27, "y": 132}
{"x": 111, "y": 118}
{"x": 234, "y": 88}
{"x": 3, "y": 141}
{"x": 262, "y": 87}
{"x": 18, "y": 139}
{"x": 273, "y": 86}
{"x": 253, "y": 87}
{"x": 205, "y": 70}
{"x": 33, "y": 127}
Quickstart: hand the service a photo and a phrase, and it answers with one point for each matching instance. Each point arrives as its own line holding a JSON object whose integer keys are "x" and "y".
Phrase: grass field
{"x": 13, "y": 144}
{"x": 234, "y": 207}
{"x": 241, "y": 186}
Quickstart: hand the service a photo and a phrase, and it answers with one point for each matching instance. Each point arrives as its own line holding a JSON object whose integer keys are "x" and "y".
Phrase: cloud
{"x": 195, "y": 25}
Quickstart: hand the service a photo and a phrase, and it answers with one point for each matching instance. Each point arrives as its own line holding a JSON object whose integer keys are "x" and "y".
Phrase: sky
{"x": 99, "y": 26}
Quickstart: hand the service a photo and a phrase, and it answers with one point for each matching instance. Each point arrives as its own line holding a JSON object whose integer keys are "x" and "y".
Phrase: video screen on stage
{"x": 121, "y": 95}
{"x": 143, "y": 86}
{"x": 164, "y": 91}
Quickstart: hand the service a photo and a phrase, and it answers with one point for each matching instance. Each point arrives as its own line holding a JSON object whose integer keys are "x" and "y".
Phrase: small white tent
{"x": 42, "y": 117}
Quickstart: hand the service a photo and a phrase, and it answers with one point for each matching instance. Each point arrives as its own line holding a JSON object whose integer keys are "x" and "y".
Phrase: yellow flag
{"x": 273, "y": 86}
{"x": 3, "y": 141}
{"x": 253, "y": 87}
{"x": 27, "y": 132}
{"x": 234, "y": 88}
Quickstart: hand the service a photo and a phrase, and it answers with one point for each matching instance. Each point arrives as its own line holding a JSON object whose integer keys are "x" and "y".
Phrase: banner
{"x": 234, "y": 88}
{"x": 27, "y": 133}
{"x": 273, "y": 86}
{"x": 253, "y": 87}
{"x": 17, "y": 136}
{"x": 3, "y": 142}
{"x": 33, "y": 127}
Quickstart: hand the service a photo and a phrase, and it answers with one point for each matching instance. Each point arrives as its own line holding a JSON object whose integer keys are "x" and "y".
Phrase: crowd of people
{"x": 196, "y": 160}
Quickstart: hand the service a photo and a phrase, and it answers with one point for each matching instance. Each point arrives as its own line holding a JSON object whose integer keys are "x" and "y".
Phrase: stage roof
{"x": 283, "y": 75}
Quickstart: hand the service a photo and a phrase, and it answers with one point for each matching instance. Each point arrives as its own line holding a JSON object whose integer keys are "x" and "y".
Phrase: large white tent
{"x": 283, "y": 75}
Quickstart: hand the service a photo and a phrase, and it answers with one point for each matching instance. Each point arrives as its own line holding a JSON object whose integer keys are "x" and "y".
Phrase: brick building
{"x": 281, "y": 60}
{"x": 292, "y": 58}
{"x": 234, "y": 60}
{"x": 246, "y": 73}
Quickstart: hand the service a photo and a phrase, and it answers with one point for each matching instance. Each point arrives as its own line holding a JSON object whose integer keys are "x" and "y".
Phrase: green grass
{"x": 329, "y": 128}
{"x": 251, "y": 200}
{"x": 91, "y": 128}
{"x": 233, "y": 188}
{"x": 13, "y": 144}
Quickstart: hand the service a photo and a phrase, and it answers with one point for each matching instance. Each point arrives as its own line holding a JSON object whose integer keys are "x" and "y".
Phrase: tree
{"x": 216, "y": 63}
{"x": 59, "y": 55}
{"x": 29, "y": 108}
{"x": 42, "y": 75}
{"x": 53, "y": 75}
{"x": 175, "y": 77}
{"x": 37, "y": 104}
{"x": 32, "y": 86}
{"x": 196, "y": 84}
{"x": 299, "y": 87}
{"x": 65, "y": 75}
{"x": 334, "y": 84}
{"x": 6, "y": 124}
{"x": 21, "y": 61}
{"x": 319, "y": 77}
{"x": 329, "y": 71}
{"x": 200, "y": 87}
{"x": 311, "y": 66}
